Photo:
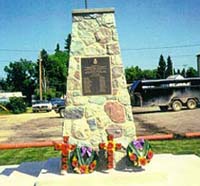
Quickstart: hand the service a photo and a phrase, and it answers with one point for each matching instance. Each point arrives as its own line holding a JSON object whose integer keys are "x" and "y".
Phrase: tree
{"x": 133, "y": 73}
{"x": 149, "y": 74}
{"x": 191, "y": 72}
{"x": 57, "y": 72}
{"x": 183, "y": 72}
{"x": 178, "y": 71}
{"x": 68, "y": 43}
{"x": 57, "y": 48}
{"x": 3, "y": 85}
{"x": 161, "y": 68}
{"x": 20, "y": 77}
{"x": 169, "y": 69}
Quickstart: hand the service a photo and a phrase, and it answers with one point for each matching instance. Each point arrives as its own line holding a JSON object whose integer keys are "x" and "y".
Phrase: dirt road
{"x": 30, "y": 127}
{"x": 48, "y": 126}
{"x": 151, "y": 120}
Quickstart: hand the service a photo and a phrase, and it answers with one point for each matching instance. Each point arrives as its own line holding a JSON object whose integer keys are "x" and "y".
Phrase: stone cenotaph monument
{"x": 98, "y": 101}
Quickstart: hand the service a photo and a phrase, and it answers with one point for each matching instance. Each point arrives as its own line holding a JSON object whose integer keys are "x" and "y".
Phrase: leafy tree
{"x": 20, "y": 77}
{"x": 161, "y": 68}
{"x": 54, "y": 70}
{"x": 149, "y": 74}
{"x": 169, "y": 69}
{"x": 17, "y": 105}
{"x": 191, "y": 72}
{"x": 3, "y": 85}
{"x": 57, "y": 72}
{"x": 133, "y": 73}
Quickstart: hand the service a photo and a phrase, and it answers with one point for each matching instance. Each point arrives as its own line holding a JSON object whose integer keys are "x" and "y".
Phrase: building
{"x": 4, "y": 96}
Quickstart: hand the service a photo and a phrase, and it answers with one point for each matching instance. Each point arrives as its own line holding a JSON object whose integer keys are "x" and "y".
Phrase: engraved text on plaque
{"x": 96, "y": 76}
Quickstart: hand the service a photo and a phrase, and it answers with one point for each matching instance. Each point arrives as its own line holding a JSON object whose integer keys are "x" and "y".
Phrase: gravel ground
{"x": 151, "y": 120}
{"x": 48, "y": 126}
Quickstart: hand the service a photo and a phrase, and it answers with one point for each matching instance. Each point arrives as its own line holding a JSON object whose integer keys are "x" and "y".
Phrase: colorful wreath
{"x": 84, "y": 160}
{"x": 139, "y": 152}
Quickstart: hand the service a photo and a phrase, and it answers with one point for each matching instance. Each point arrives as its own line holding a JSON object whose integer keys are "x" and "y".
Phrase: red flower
{"x": 133, "y": 157}
{"x": 102, "y": 145}
{"x": 64, "y": 167}
{"x": 110, "y": 166}
{"x": 150, "y": 154}
{"x": 92, "y": 165}
{"x": 110, "y": 152}
{"x": 142, "y": 161}
{"x": 83, "y": 168}
{"x": 110, "y": 145}
{"x": 58, "y": 146}
{"x": 64, "y": 160}
{"x": 65, "y": 149}
{"x": 65, "y": 139}
{"x": 118, "y": 146}
{"x": 110, "y": 158}
{"x": 65, "y": 152}
{"x": 73, "y": 147}
{"x": 110, "y": 137}
{"x": 75, "y": 163}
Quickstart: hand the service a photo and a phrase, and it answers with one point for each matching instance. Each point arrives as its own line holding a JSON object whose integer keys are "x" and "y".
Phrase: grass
{"x": 184, "y": 146}
{"x": 16, "y": 156}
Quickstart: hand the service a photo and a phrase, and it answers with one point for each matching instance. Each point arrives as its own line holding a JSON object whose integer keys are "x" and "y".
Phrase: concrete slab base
{"x": 163, "y": 170}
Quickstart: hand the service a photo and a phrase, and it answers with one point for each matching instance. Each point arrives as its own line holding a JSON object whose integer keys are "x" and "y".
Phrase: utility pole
{"x": 40, "y": 75}
{"x": 86, "y": 4}
{"x": 185, "y": 65}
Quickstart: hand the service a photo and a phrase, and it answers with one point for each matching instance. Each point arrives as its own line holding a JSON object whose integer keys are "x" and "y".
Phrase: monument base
{"x": 165, "y": 170}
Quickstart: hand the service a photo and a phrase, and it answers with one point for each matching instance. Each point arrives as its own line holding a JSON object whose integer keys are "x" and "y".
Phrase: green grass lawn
{"x": 16, "y": 156}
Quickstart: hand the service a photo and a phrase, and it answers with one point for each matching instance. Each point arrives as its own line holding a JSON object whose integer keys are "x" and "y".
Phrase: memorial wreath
{"x": 84, "y": 160}
{"x": 139, "y": 152}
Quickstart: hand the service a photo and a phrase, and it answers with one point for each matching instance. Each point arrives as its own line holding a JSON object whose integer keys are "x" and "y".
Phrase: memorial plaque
{"x": 96, "y": 76}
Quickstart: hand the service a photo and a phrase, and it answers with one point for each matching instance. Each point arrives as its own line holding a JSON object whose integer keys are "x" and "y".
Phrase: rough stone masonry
{"x": 98, "y": 102}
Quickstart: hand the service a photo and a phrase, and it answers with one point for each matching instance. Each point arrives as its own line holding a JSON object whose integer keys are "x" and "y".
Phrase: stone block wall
{"x": 88, "y": 119}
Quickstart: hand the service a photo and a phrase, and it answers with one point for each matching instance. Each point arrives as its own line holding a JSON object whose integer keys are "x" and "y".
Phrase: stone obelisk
{"x": 98, "y": 101}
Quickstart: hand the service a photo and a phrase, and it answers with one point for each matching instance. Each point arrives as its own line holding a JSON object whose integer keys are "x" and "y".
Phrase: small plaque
{"x": 96, "y": 76}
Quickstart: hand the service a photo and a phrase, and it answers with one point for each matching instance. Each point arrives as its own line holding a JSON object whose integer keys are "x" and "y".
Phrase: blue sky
{"x": 142, "y": 25}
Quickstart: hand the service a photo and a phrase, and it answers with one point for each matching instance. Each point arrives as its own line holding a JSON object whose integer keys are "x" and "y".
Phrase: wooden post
{"x": 86, "y": 4}
{"x": 40, "y": 75}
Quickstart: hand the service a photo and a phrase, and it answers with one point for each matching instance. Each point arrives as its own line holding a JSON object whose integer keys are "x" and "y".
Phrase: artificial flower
{"x": 110, "y": 137}
{"x": 102, "y": 145}
{"x": 142, "y": 161}
{"x": 133, "y": 157}
{"x": 110, "y": 145}
{"x": 150, "y": 154}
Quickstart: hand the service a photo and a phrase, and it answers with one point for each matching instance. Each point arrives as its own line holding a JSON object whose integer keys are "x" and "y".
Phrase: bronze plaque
{"x": 96, "y": 76}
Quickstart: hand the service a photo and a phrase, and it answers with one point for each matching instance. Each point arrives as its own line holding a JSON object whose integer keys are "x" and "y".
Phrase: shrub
{"x": 17, "y": 105}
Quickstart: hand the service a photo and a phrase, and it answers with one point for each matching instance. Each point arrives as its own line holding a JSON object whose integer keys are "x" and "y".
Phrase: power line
{"x": 173, "y": 56}
{"x": 23, "y": 50}
{"x": 123, "y": 49}
{"x": 163, "y": 47}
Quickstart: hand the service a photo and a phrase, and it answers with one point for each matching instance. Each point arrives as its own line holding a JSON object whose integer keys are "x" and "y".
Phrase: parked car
{"x": 41, "y": 105}
{"x": 60, "y": 108}
{"x": 56, "y": 102}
